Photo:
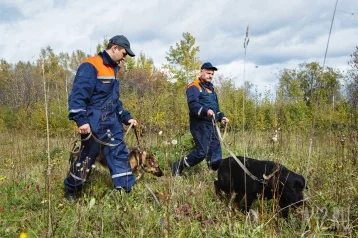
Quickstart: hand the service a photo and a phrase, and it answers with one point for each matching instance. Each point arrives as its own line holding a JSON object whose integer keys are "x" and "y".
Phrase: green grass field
{"x": 188, "y": 206}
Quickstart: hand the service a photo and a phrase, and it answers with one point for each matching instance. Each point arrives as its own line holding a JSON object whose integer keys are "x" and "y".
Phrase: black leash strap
{"x": 136, "y": 135}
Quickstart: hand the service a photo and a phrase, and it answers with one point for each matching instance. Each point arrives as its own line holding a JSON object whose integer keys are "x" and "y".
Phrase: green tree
{"x": 77, "y": 57}
{"x": 101, "y": 46}
{"x": 145, "y": 63}
{"x": 308, "y": 76}
{"x": 289, "y": 86}
{"x": 183, "y": 63}
{"x": 304, "y": 87}
{"x": 318, "y": 86}
{"x": 352, "y": 78}
{"x": 5, "y": 75}
{"x": 352, "y": 84}
{"x": 129, "y": 64}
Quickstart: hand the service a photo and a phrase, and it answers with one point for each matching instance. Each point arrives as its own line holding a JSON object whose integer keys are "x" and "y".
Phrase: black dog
{"x": 285, "y": 185}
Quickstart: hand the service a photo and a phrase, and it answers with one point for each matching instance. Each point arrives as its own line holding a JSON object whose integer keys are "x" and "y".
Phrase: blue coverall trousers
{"x": 207, "y": 144}
{"x": 109, "y": 131}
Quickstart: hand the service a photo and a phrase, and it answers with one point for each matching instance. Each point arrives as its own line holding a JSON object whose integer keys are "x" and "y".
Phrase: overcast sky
{"x": 282, "y": 33}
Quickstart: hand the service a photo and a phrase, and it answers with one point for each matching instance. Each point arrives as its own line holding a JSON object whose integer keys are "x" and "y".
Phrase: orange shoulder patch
{"x": 95, "y": 60}
{"x": 102, "y": 69}
{"x": 195, "y": 83}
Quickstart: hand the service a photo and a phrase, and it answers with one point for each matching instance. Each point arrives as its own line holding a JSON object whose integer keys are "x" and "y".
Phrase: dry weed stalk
{"x": 48, "y": 174}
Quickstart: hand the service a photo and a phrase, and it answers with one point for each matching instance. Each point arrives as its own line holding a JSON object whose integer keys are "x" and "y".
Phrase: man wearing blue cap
{"x": 95, "y": 107}
{"x": 203, "y": 108}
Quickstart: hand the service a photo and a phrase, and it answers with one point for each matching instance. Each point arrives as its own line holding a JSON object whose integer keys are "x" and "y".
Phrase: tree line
{"x": 305, "y": 98}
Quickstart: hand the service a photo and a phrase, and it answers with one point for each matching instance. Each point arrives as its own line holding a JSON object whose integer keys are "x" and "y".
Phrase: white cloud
{"x": 265, "y": 77}
{"x": 282, "y": 33}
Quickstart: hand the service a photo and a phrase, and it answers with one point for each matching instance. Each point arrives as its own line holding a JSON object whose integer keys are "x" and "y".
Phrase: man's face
{"x": 206, "y": 75}
{"x": 119, "y": 54}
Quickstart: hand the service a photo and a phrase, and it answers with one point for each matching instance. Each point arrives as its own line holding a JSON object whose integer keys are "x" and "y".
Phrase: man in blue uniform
{"x": 95, "y": 106}
{"x": 203, "y": 107}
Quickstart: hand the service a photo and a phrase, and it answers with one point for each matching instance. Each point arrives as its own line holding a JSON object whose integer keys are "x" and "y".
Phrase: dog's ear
{"x": 132, "y": 153}
{"x": 144, "y": 156}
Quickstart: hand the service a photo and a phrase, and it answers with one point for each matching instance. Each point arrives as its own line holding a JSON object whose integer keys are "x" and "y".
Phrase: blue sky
{"x": 282, "y": 33}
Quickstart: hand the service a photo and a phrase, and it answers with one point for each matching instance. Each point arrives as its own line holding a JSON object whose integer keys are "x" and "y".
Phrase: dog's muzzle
{"x": 158, "y": 173}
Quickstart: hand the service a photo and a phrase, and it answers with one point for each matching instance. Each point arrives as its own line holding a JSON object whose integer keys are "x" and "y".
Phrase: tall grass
{"x": 188, "y": 204}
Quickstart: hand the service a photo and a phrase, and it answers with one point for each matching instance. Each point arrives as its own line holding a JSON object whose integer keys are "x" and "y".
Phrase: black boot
{"x": 120, "y": 190}
{"x": 177, "y": 167}
{"x": 72, "y": 195}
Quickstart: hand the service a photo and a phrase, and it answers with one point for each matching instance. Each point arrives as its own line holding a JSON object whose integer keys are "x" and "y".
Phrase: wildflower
{"x": 87, "y": 170}
{"x": 2, "y": 178}
{"x": 160, "y": 133}
{"x": 174, "y": 142}
{"x": 93, "y": 166}
{"x": 23, "y": 235}
{"x": 78, "y": 164}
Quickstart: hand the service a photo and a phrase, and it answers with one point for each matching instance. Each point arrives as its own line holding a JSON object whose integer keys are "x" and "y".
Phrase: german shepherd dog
{"x": 140, "y": 162}
{"x": 280, "y": 183}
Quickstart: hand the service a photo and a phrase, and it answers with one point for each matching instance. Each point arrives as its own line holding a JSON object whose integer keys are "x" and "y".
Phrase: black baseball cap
{"x": 123, "y": 42}
{"x": 208, "y": 65}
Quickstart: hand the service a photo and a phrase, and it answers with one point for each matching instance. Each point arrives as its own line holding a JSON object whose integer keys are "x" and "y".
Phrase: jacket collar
{"x": 107, "y": 59}
{"x": 207, "y": 85}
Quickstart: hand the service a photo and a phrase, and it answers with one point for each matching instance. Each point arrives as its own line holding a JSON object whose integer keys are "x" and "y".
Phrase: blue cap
{"x": 123, "y": 42}
{"x": 208, "y": 65}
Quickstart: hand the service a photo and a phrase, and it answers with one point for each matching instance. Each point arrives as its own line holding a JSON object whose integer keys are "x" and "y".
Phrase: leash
{"x": 264, "y": 180}
{"x": 139, "y": 160}
{"x": 76, "y": 149}
{"x": 102, "y": 142}
{"x": 138, "y": 142}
